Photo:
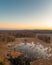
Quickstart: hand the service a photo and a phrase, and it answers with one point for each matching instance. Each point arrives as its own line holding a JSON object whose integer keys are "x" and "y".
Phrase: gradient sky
{"x": 26, "y": 14}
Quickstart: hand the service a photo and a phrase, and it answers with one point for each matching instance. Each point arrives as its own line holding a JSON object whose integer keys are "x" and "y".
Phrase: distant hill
{"x": 35, "y": 31}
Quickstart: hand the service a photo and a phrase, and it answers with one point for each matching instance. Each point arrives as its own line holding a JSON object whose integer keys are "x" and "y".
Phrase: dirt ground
{"x": 4, "y": 49}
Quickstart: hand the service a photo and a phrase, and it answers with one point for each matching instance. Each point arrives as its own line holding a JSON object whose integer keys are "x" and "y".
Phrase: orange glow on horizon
{"x": 21, "y": 27}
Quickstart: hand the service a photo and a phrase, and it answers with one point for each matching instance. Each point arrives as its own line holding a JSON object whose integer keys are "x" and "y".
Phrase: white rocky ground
{"x": 32, "y": 50}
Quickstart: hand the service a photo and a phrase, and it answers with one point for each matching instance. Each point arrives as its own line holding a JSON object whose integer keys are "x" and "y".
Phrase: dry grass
{"x": 10, "y": 37}
{"x": 42, "y": 62}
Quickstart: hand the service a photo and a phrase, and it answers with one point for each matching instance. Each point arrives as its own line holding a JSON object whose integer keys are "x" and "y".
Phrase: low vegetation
{"x": 10, "y": 36}
{"x": 2, "y": 63}
{"x": 44, "y": 38}
{"x": 20, "y": 60}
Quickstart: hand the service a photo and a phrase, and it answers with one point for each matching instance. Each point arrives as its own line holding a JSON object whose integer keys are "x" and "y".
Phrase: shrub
{"x": 21, "y": 60}
{"x": 2, "y": 63}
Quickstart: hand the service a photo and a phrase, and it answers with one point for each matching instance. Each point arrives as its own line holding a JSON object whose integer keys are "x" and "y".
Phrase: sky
{"x": 26, "y": 14}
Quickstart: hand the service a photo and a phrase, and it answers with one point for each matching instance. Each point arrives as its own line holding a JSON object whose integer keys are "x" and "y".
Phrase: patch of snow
{"x": 33, "y": 50}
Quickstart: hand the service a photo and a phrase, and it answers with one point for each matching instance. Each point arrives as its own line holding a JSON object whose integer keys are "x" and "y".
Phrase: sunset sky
{"x": 26, "y": 14}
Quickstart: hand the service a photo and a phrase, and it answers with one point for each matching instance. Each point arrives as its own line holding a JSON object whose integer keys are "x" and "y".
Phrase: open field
{"x": 17, "y": 37}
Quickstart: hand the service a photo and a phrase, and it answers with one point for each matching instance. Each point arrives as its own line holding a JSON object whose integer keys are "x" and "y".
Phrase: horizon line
{"x": 25, "y": 28}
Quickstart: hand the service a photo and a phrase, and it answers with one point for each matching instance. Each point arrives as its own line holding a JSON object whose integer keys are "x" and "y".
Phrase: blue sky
{"x": 25, "y": 14}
